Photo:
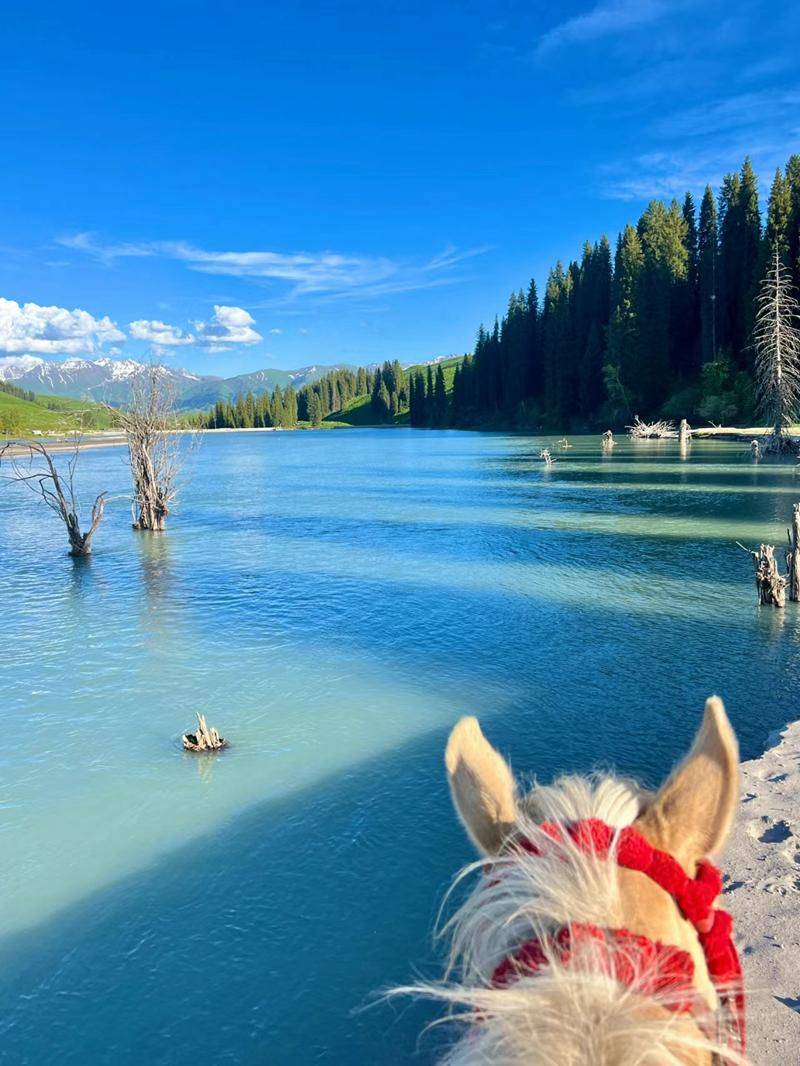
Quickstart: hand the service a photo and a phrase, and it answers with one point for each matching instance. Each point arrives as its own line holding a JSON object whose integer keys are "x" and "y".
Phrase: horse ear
{"x": 482, "y": 786}
{"x": 692, "y": 813}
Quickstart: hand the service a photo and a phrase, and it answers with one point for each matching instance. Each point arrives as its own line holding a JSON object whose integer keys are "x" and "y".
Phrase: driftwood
{"x": 205, "y": 739}
{"x": 607, "y": 441}
{"x": 563, "y": 443}
{"x": 755, "y": 449}
{"x": 546, "y": 457}
{"x": 770, "y": 585}
{"x": 684, "y": 433}
{"x": 793, "y": 556}
{"x": 660, "y": 430}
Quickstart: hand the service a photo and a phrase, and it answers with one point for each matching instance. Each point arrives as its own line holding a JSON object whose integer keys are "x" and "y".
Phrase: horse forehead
{"x": 572, "y": 798}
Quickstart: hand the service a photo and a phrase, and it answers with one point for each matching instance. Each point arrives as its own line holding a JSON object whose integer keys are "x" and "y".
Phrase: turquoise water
{"x": 334, "y": 601}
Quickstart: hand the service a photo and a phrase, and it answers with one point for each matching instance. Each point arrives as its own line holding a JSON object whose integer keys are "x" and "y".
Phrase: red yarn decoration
{"x": 656, "y": 967}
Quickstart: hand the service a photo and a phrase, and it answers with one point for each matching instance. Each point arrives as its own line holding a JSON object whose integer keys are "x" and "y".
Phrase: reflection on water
{"x": 333, "y": 602}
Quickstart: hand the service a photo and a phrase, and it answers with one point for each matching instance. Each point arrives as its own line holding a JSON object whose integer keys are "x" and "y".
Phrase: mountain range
{"x": 109, "y": 380}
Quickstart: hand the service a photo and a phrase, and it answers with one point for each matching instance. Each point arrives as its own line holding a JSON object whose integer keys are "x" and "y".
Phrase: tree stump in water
{"x": 755, "y": 450}
{"x": 684, "y": 433}
{"x": 205, "y": 739}
{"x": 546, "y": 457}
{"x": 770, "y": 585}
{"x": 607, "y": 440}
{"x": 793, "y": 556}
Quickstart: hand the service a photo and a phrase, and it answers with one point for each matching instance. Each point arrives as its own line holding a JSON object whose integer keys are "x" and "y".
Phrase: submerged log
{"x": 770, "y": 584}
{"x": 793, "y": 556}
{"x": 205, "y": 739}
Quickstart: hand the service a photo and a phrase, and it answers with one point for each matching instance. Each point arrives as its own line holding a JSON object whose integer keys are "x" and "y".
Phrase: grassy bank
{"x": 21, "y": 417}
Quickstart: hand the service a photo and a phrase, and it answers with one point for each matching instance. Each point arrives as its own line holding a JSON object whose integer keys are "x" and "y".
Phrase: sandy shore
{"x": 762, "y": 892}
{"x": 109, "y": 438}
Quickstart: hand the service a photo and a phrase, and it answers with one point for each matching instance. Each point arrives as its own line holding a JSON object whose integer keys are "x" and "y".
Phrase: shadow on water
{"x": 256, "y": 943}
{"x": 231, "y": 925}
{"x": 235, "y": 928}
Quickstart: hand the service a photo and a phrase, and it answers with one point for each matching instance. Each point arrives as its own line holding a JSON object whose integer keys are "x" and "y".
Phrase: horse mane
{"x": 574, "y": 1014}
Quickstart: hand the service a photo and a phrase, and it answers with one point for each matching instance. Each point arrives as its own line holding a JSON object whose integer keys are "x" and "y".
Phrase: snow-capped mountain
{"x": 109, "y": 380}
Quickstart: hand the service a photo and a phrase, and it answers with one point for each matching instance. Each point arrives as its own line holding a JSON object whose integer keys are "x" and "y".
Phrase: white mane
{"x": 561, "y": 1016}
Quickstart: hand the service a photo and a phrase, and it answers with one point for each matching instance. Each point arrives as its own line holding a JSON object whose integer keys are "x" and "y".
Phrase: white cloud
{"x": 226, "y": 327}
{"x": 159, "y": 333}
{"x": 276, "y": 330}
{"x": 603, "y": 20}
{"x": 326, "y": 274}
{"x": 85, "y": 242}
{"x": 53, "y": 330}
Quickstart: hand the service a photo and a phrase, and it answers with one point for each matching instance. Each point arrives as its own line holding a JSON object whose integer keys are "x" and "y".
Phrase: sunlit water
{"x": 334, "y": 602}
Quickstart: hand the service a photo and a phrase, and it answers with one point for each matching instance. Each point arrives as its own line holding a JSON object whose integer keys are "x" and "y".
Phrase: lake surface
{"x": 334, "y": 602}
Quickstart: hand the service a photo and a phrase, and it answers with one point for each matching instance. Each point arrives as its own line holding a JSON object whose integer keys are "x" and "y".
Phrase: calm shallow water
{"x": 334, "y": 601}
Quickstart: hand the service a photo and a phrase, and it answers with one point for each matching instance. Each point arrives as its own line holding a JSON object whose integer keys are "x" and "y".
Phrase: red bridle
{"x": 652, "y": 966}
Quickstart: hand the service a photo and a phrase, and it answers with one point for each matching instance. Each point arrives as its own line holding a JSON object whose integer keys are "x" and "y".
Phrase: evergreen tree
{"x": 707, "y": 253}
{"x": 624, "y": 334}
{"x": 779, "y": 210}
{"x": 440, "y": 398}
{"x": 315, "y": 409}
{"x": 689, "y": 313}
{"x": 793, "y": 224}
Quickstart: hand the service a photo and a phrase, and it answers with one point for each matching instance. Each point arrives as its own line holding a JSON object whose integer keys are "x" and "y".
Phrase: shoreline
{"x": 762, "y": 892}
{"x": 110, "y": 438}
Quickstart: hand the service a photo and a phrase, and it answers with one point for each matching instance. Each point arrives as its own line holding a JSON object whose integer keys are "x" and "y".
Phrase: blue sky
{"x": 261, "y": 184}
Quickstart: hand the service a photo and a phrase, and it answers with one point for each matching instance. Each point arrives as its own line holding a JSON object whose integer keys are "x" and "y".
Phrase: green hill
{"x": 20, "y": 416}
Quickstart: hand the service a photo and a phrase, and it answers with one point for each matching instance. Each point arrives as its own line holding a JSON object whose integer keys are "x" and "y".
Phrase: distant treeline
{"x": 663, "y": 328}
{"x": 14, "y": 390}
{"x": 287, "y": 407}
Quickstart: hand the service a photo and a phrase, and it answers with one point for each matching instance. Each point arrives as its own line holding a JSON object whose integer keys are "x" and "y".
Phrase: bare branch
{"x": 58, "y": 493}
{"x": 155, "y": 452}
{"x": 651, "y": 430}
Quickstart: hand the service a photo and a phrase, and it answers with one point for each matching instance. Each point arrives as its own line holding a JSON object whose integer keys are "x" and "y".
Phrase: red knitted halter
{"x": 655, "y": 967}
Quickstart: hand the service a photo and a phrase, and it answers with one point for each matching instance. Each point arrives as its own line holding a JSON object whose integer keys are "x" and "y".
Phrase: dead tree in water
{"x": 770, "y": 585}
{"x": 154, "y": 449}
{"x": 607, "y": 441}
{"x": 793, "y": 556}
{"x": 684, "y": 433}
{"x": 776, "y": 341}
{"x": 57, "y": 490}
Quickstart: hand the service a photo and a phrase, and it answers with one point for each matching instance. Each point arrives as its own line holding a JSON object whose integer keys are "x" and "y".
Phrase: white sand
{"x": 762, "y": 864}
